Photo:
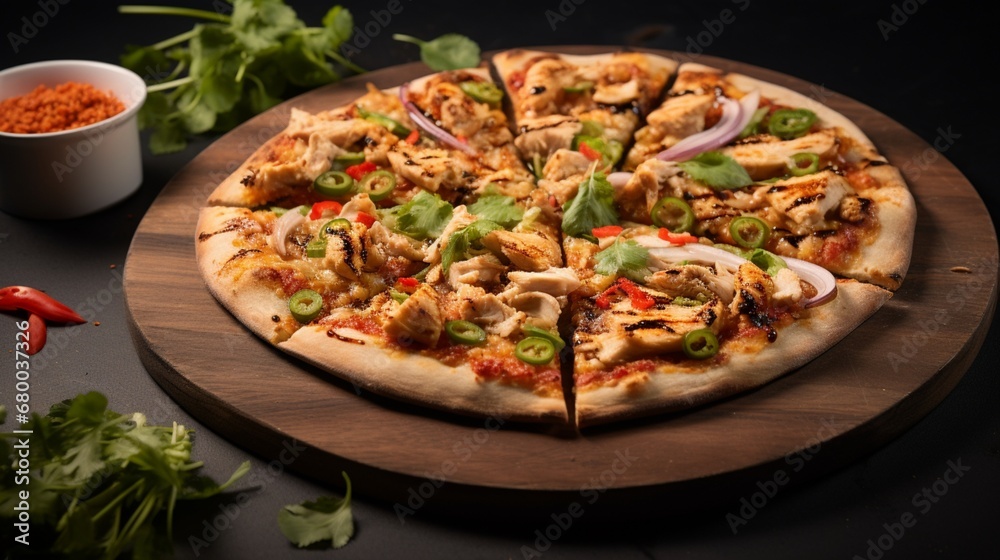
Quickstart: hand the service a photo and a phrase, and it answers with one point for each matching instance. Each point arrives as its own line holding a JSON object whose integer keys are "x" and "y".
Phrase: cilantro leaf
{"x": 717, "y": 170}
{"x": 448, "y": 52}
{"x": 625, "y": 258}
{"x": 465, "y": 240}
{"x": 498, "y": 208}
{"x": 326, "y": 518}
{"x": 764, "y": 259}
{"x": 593, "y": 206}
{"x": 424, "y": 216}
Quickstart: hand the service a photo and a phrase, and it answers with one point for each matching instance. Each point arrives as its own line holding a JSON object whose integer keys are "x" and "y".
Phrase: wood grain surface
{"x": 867, "y": 389}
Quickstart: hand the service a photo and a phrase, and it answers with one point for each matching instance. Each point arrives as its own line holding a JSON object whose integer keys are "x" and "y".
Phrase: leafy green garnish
{"x": 424, "y": 216}
{"x": 593, "y": 206}
{"x": 447, "y": 52}
{"x": 465, "y": 240}
{"x": 102, "y": 483}
{"x": 765, "y": 260}
{"x": 626, "y": 258}
{"x": 498, "y": 208}
{"x": 753, "y": 127}
{"x": 326, "y": 519}
{"x": 236, "y": 66}
{"x": 717, "y": 170}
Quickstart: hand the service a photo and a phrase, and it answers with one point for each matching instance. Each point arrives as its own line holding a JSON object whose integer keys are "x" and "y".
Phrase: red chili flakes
{"x": 69, "y": 105}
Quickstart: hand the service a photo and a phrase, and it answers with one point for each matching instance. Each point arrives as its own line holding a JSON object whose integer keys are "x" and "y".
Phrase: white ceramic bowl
{"x": 71, "y": 173}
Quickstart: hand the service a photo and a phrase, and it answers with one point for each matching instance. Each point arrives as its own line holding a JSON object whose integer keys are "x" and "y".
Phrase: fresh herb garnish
{"x": 236, "y": 66}
{"x": 447, "y": 52}
{"x": 625, "y": 258}
{"x": 498, "y": 208}
{"x": 326, "y": 519}
{"x": 424, "y": 216}
{"x": 465, "y": 240}
{"x": 102, "y": 483}
{"x": 717, "y": 170}
{"x": 764, "y": 259}
{"x": 593, "y": 206}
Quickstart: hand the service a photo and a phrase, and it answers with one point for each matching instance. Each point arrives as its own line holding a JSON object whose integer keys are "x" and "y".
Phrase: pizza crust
{"x": 419, "y": 379}
{"x": 798, "y": 344}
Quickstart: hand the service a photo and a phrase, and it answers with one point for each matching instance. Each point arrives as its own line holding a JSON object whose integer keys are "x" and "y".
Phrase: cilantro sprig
{"x": 593, "y": 206}
{"x": 447, "y": 52}
{"x": 230, "y": 67}
{"x": 623, "y": 258}
{"x": 325, "y": 519}
{"x": 717, "y": 170}
{"x": 465, "y": 240}
{"x": 424, "y": 216}
{"x": 498, "y": 208}
{"x": 101, "y": 483}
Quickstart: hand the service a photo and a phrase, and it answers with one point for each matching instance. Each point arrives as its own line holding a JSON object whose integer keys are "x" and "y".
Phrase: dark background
{"x": 929, "y": 66}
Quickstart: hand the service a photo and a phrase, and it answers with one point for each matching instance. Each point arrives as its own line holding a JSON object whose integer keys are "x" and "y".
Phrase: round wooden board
{"x": 870, "y": 387}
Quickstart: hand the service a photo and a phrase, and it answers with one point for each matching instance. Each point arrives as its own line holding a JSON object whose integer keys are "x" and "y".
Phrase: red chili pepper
{"x": 677, "y": 238}
{"x": 37, "y": 302}
{"x": 413, "y": 138}
{"x": 360, "y": 170}
{"x": 36, "y": 334}
{"x": 603, "y": 300}
{"x": 606, "y": 231}
{"x": 553, "y": 202}
{"x": 409, "y": 282}
{"x": 639, "y": 298}
{"x": 365, "y": 218}
{"x": 589, "y": 153}
{"x": 462, "y": 139}
{"x": 323, "y": 207}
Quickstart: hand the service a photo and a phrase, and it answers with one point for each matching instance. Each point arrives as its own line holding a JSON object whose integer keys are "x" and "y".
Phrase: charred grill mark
{"x": 750, "y": 307}
{"x": 240, "y": 254}
{"x": 776, "y": 189}
{"x": 249, "y": 179}
{"x": 649, "y": 324}
{"x": 345, "y": 241}
{"x": 709, "y": 316}
{"x": 537, "y": 90}
{"x": 231, "y": 225}
{"x": 275, "y": 318}
{"x": 409, "y": 161}
{"x": 368, "y": 142}
{"x": 805, "y": 200}
{"x": 333, "y": 334}
{"x": 876, "y": 163}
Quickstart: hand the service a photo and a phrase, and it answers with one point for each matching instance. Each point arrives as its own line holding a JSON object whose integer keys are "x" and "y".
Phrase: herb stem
{"x": 407, "y": 39}
{"x": 171, "y": 84}
{"x": 174, "y": 11}
{"x": 117, "y": 499}
{"x": 345, "y": 62}
{"x": 187, "y": 35}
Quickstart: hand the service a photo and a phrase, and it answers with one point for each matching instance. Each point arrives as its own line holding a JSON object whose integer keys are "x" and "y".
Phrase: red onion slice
{"x": 285, "y": 225}
{"x": 429, "y": 126}
{"x": 735, "y": 117}
{"x": 618, "y": 179}
{"x": 819, "y": 277}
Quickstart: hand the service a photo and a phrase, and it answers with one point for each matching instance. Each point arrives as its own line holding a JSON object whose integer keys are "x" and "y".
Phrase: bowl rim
{"x": 110, "y": 122}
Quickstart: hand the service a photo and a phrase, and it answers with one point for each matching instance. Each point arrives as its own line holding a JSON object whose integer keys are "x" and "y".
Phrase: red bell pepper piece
{"x": 39, "y": 303}
{"x": 360, "y": 170}
{"x": 639, "y": 298}
{"x": 408, "y": 282}
{"x": 606, "y": 231}
{"x": 36, "y": 334}
{"x": 365, "y": 218}
{"x": 589, "y": 153}
{"x": 677, "y": 238}
{"x": 323, "y": 207}
{"x": 413, "y": 138}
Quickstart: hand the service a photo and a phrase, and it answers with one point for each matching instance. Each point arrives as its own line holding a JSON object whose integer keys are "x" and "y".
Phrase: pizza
{"x": 584, "y": 239}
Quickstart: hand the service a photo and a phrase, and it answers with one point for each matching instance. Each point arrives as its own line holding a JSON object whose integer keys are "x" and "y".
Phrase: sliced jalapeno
{"x": 392, "y": 124}
{"x": 701, "y": 344}
{"x": 465, "y": 332}
{"x": 316, "y": 248}
{"x": 483, "y": 92}
{"x": 334, "y": 224}
{"x": 555, "y": 339}
{"x": 334, "y": 184}
{"x": 535, "y": 350}
{"x": 305, "y": 305}
{"x": 805, "y": 163}
{"x": 749, "y": 232}
{"x": 579, "y": 87}
{"x": 347, "y": 159}
{"x": 378, "y": 184}
{"x": 672, "y": 213}
{"x": 791, "y": 123}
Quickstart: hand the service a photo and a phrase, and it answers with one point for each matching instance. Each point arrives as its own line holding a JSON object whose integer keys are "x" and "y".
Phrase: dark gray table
{"x": 922, "y": 63}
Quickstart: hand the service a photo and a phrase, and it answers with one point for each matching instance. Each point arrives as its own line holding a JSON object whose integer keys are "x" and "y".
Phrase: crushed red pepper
{"x": 66, "y": 106}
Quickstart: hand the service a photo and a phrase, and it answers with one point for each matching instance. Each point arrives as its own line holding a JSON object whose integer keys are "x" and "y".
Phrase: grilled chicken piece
{"x": 563, "y": 173}
{"x": 488, "y": 311}
{"x": 460, "y": 114}
{"x": 544, "y": 135}
{"x": 765, "y": 156}
{"x": 349, "y": 252}
{"x": 787, "y": 288}
{"x": 627, "y": 334}
{"x": 806, "y": 200}
{"x": 542, "y": 310}
{"x": 482, "y": 269}
{"x": 692, "y": 281}
{"x": 526, "y": 251}
{"x": 429, "y": 168}
{"x": 754, "y": 289}
{"x": 416, "y": 319}
{"x": 677, "y": 118}
{"x": 543, "y": 86}
{"x": 395, "y": 244}
{"x": 553, "y": 281}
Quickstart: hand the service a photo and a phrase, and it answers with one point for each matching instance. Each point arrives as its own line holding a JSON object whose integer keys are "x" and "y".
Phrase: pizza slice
{"x": 572, "y": 110}
{"x": 749, "y": 163}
